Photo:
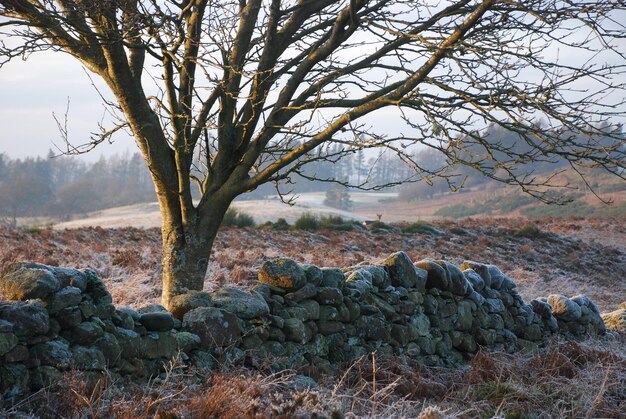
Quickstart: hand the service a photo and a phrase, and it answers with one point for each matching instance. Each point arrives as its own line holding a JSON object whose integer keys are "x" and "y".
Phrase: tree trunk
{"x": 186, "y": 251}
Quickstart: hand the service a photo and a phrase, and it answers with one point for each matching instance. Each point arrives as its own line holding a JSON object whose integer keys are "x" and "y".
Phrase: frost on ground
{"x": 567, "y": 256}
{"x": 568, "y": 379}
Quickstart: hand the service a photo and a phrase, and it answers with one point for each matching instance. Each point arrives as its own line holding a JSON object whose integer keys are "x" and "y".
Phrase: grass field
{"x": 369, "y": 206}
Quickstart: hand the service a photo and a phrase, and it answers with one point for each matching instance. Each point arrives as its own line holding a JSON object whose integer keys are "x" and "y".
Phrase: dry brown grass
{"x": 570, "y": 256}
{"x": 566, "y": 380}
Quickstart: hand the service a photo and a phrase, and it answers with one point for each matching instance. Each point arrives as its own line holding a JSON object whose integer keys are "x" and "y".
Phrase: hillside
{"x": 479, "y": 201}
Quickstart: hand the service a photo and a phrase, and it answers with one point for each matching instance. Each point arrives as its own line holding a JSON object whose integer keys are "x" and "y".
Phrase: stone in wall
{"x": 296, "y": 316}
{"x": 59, "y": 319}
{"x": 616, "y": 320}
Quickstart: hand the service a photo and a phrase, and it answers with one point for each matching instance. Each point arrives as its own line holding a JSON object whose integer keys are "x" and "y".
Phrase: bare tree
{"x": 259, "y": 88}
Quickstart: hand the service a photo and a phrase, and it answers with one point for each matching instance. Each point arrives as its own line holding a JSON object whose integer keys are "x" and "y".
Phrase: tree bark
{"x": 185, "y": 258}
{"x": 186, "y": 249}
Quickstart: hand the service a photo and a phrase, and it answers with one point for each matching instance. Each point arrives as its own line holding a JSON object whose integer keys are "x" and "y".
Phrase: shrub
{"x": 234, "y": 218}
{"x": 33, "y": 230}
{"x": 335, "y": 222}
{"x": 379, "y": 226}
{"x": 307, "y": 221}
{"x": 245, "y": 220}
{"x": 611, "y": 211}
{"x": 528, "y": 230}
{"x": 338, "y": 197}
{"x": 613, "y": 187}
{"x": 422, "y": 227}
{"x": 513, "y": 201}
{"x": 577, "y": 208}
{"x": 332, "y": 220}
{"x": 487, "y": 205}
{"x": 280, "y": 225}
{"x": 268, "y": 225}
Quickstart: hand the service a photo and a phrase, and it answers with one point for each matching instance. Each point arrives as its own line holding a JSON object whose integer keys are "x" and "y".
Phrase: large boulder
{"x": 500, "y": 281}
{"x": 25, "y": 281}
{"x": 157, "y": 321}
{"x": 295, "y": 330}
{"x": 151, "y": 308}
{"x": 563, "y": 308}
{"x": 97, "y": 289}
{"x": 494, "y": 305}
{"x": 465, "y": 316}
{"x": 481, "y": 269}
{"x": 29, "y": 318}
{"x": 584, "y": 301}
{"x": 402, "y": 272}
{"x": 329, "y": 295}
{"x": 314, "y": 275}
{"x": 156, "y": 345}
{"x": 421, "y": 324}
{"x": 87, "y": 333}
{"x": 492, "y": 276}
{"x": 359, "y": 288}
{"x": 474, "y": 279}
{"x": 14, "y": 380}
{"x": 70, "y": 277}
{"x": 457, "y": 283}
{"x": 372, "y": 328}
{"x": 214, "y": 326}
{"x": 307, "y": 291}
{"x": 55, "y": 353}
{"x": 88, "y": 358}
{"x": 187, "y": 342}
{"x": 129, "y": 342}
{"x": 437, "y": 276}
{"x": 615, "y": 320}
{"x": 66, "y": 297}
{"x": 379, "y": 276}
{"x": 543, "y": 309}
{"x": 282, "y": 273}
{"x": 333, "y": 278}
{"x": 69, "y": 317}
{"x": 312, "y": 309}
{"x": 181, "y": 304}
{"x": 359, "y": 275}
{"x": 241, "y": 303}
{"x": 8, "y": 341}
{"x": 110, "y": 348}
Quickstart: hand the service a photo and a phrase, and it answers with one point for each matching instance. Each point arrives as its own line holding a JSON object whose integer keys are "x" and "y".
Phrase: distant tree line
{"x": 508, "y": 145}
{"x": 333, "y": 168}
{"x": 65, "y": 186}
{"x": 341, "y": 166}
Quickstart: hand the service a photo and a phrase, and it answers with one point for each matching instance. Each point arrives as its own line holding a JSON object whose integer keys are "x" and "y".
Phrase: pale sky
{"x": 32, "y": 90}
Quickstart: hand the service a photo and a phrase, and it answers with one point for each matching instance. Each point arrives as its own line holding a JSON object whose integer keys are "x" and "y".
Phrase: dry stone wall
{"x": 57, "y": 319}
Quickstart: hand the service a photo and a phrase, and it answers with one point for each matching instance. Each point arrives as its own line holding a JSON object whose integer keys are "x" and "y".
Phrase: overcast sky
{"x": 32, "y": 90}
